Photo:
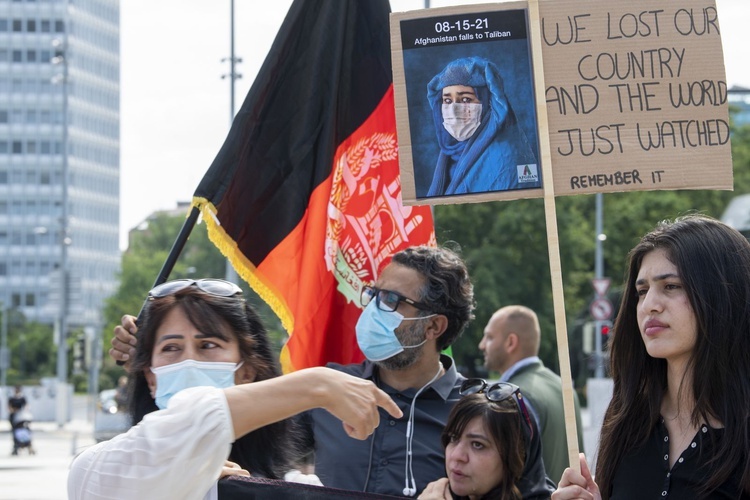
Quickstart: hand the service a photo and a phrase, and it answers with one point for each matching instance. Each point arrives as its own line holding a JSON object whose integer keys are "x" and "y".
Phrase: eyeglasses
{"x": 211, "y": 286}
{"x": 499, "y": 391}
{"x": 387, "y": 300}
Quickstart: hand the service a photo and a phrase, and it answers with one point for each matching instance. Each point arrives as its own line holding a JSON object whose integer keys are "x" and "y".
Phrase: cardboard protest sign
{"x": 479, "y": 144}
{"x": 635, "y": 93}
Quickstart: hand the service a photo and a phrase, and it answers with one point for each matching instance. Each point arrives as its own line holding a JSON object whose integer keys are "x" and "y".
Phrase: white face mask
{"x": 461, "y": 120}
{"x": 171, "y": 379}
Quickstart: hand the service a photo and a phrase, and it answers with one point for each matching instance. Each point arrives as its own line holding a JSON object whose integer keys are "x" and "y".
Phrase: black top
{"x": 645, "y": 472}
{"x": 250, "y": 488}
{"x": 16, "y": 402}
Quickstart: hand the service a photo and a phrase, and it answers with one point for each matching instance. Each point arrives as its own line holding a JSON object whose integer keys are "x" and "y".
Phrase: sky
{"x": 175, "y": 106}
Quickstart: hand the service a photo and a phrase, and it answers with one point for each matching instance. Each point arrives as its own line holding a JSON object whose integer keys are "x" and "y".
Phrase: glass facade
{"x": 59, "y": 156}
{"x": 739, "y": 99}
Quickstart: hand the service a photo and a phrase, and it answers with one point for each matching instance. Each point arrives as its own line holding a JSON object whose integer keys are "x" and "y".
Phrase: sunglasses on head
{"x": 496, "y": 392}
{"x": 211, "y": 286}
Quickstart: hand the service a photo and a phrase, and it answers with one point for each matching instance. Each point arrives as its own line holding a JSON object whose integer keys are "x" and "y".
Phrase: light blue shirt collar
{"x": 507, "y": 374}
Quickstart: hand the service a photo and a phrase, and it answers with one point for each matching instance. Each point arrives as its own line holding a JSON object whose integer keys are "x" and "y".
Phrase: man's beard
{"x": 412, "y": 335}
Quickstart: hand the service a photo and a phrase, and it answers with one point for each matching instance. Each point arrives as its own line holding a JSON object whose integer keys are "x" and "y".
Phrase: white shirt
{"x": 178, "y": 452}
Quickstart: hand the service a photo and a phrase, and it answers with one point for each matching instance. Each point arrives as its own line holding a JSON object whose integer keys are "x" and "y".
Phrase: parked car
{"x": 107, "y": 401}
{"x": 109, "y": 420}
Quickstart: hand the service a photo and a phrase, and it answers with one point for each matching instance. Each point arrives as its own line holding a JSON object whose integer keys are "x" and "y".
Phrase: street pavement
{"x": 44, "y": 476}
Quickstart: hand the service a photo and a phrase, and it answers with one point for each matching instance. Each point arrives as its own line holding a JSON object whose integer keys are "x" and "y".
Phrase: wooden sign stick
{"x": 553, "y": 241}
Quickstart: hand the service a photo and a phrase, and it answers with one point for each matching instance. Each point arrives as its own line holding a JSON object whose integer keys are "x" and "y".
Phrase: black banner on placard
{"x": 463, "y": 28}
{"x": 249, "y": 488}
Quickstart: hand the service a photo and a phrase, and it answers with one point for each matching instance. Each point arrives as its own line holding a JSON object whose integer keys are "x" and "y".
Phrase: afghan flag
{"x": 304, "y": 197}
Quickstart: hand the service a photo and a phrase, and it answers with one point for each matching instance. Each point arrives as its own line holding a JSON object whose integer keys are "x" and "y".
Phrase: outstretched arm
{"x": 352, "y": 400}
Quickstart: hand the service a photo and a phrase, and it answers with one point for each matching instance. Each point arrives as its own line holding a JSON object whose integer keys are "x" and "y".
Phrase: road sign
{"x": 601, "y": 309}
{"x": 601, "y": 285}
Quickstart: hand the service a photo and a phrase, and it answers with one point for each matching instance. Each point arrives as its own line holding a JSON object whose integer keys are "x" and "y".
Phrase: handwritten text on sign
{"x": 636, "y": 95}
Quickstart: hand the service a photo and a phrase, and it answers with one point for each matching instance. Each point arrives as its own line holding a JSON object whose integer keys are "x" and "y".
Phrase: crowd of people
{"x": 209, "y": 399}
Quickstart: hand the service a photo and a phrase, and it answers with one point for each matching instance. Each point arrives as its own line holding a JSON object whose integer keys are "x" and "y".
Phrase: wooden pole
{"x": 553, "y": 241}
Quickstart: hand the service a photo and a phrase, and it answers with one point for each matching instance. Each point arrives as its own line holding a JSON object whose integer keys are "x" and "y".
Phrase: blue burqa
{"x": 495, "y": 156}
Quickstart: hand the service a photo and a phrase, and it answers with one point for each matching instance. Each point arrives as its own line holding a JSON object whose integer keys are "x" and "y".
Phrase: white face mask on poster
{"x": 461, "y": 120}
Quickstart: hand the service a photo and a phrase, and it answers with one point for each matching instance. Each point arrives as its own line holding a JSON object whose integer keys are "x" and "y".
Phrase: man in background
{"x": 511, "y": 348}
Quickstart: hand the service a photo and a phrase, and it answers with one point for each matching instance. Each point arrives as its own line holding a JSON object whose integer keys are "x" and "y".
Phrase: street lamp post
{"x": 61, "y": 57}
{"x": 230, "y": 273}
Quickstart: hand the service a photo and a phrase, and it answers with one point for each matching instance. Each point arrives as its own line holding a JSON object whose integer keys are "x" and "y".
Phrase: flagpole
{"x": 174, "y": 254}
{"x": 177, "y": 246}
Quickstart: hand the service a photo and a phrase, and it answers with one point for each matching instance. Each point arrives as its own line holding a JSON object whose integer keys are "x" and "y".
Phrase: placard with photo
{"x": 465, "y": 108}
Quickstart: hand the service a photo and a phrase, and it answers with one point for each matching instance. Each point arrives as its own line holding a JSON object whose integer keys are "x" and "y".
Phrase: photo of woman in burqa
{"x": 482, "y": 147}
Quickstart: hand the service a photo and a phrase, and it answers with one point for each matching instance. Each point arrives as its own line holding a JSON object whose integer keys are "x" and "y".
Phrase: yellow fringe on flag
{"x": 245, "y": 269}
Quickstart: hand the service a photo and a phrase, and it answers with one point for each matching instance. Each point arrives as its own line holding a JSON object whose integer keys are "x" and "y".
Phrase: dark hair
{"x": 503, "y": 421}
{"x": 268, "y": 451}
{"x": 713, "y": 262}
{"x": 448, "y": 289}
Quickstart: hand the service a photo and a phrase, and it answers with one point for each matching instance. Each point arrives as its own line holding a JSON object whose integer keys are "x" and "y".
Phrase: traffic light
{"x": 606, "y": 329}
{"x": 79, "y": 354}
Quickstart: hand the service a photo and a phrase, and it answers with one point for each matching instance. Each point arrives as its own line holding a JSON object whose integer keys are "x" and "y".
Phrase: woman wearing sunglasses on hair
{"x": 204, "y": 389}
{"x": 490, "y": 441}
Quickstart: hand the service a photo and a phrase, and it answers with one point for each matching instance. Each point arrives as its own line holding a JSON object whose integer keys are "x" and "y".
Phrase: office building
{"x": 59, "y": 157}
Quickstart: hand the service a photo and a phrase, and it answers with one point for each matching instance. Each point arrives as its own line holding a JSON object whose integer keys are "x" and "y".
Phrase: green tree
{"x": 32, "y": 348}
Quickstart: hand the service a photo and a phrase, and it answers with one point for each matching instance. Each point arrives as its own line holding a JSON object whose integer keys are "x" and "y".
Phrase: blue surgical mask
{"x": 376, "y": 333}
{"x": 171, "y": 379}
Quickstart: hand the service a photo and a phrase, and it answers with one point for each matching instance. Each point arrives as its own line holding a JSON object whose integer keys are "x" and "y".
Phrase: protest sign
{"x": 635, "y": 93}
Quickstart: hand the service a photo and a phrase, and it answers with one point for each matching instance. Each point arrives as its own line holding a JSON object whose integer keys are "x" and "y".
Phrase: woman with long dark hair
{"x": 204, "y": 388}
{"x": 678, "y": 425}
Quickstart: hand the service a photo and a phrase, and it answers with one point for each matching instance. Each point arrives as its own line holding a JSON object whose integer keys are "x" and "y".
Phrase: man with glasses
{"x": 511, "y": 347}
{"x": 419, "y": 305}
